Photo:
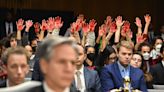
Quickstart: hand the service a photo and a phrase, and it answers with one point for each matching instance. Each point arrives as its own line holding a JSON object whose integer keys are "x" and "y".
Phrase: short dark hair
{"x": 89, "y": 46}
{"x": 144, "y": 44}
{"x": 13, "y": 35}
{"x": 157, "y": 37}
{"x": 15, "y": 50}
{"x": 138, "y": 53}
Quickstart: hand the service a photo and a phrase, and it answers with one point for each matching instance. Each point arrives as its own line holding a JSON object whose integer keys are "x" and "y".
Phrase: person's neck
{"x": 10, "y": 83}
{"x": 89, "y": 62}
{"x": 125, "y": 66}
{"x": 55, "y": 88}
{"x": 163, "y": 59}
{"x": 78, "y": 67}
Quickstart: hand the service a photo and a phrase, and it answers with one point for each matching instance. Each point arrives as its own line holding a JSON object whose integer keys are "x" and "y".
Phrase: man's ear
{"x": 5, "y": 67}
{"x": 85, "y": 56}
{"x": 43, "y": 65}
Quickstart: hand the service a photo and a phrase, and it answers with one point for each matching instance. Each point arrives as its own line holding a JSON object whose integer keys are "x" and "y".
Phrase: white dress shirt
{"x": 7, "y": 83}
{"x": 163, "y": 63}
{"x": 82, "y": 79}
{"x": 48, "y": 89}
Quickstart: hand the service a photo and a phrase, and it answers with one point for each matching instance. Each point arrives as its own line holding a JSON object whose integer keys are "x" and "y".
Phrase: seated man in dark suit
{"x": 158, "y": 70}
{"x": 16, "y": 64}
{"x": 113, "y": 76}
{"x": 86, "y": 80}
{"x": 58, "y": 58}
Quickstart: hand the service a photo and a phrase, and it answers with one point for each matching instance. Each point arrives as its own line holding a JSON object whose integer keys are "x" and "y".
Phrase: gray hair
{"x": 46, "y": 47}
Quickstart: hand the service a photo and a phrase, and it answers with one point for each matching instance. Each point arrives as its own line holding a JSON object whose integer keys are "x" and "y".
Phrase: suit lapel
{"x": 86, "y": 77}
{"x": 132, "y": 76}
{"x": 73, "y": 83}
{"x": 118, "y": 73}
{"x": 73, "y": 87}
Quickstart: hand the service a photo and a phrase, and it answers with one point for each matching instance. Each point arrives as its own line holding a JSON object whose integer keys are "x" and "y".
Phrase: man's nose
{"x": 19, "y": 70}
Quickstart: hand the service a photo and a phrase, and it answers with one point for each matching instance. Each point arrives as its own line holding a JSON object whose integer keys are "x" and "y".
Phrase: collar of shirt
{"x": 82, "y": 79}
{"x": 124, "y": 70}
{"x": 7, "y": 83}
{"x": 81, "y": 70}
{"x": 48, "y": 89}
{"x": 163, "y": 63}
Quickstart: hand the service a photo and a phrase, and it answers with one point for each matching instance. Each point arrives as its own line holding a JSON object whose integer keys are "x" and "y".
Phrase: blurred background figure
{"x": 8, "y": 26}
{"x": 58, "y": 58}
{"x": 16, "y": 65}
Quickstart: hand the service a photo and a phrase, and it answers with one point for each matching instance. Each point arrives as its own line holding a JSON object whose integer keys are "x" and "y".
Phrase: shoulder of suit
{"x": 3, "y": 83}
{"x": 137, "y": 70}
{"x": 110, "y": 66}
{"x": 36, "y": 89}
{"x": 90, "y": 70}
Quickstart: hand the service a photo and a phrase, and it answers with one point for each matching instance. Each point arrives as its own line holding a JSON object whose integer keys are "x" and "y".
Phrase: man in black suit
{"x": 57, "y": 58}
{"x": 8, "y": 26}
{"x": 16, "y": 65}
{"x": 85, "y": 80}
{"x": 158, "y": 70}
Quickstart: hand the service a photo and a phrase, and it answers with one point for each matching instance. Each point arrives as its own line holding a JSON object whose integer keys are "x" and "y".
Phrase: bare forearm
{"x": 146, "y": 29}
{"x": 98, "y": 39}
{"x": 108, "y": 37}
{"x": 117, "y": 35}
{"x": 83, "y": 40}
{"x": 77, "y": 37}
{"x": 139, "y": 30}
{"x": 103, "y": 45}
{"x": 18, "y": 35}
{"x": 41, "y": 36}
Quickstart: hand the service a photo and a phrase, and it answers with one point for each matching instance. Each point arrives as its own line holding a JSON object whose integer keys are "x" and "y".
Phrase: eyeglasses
{"x": 135, "y": 59}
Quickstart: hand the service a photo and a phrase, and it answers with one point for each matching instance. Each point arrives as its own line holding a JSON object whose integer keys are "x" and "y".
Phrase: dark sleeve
{"x": 19, "y": 42}
{"x": 37, "y": 75}
{"x": 96, "y": 48}
{"x": 97, "y": 84}
{"x": 101, "y": 57}
{"x": 25, "y": 39}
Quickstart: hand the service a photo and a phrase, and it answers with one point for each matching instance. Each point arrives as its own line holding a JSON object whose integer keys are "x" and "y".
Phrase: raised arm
{"x": 91, "y": 33}
{"x": 20, "y": 27}
{"x": 25, "y": 39}
{"x": 43, "y": 28}
{"x": 139, "y": 25}
{"x": 119, "y": 23}
{"x": 85, "y": 29}
{"x": 50, "y": 26}
{"x": 58, "y": 23}
{"x": 112, "y": 30}
{"x": 102, "y": 33}
{"x": 147, "y": 20}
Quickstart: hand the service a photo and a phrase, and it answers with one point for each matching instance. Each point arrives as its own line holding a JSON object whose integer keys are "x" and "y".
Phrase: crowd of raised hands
{"x": 103, "y": 47}
{"x": 118, "y": 27}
